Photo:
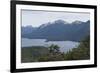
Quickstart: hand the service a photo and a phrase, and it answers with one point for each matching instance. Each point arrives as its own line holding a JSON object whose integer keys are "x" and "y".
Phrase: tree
{"x": 51, "y": 48}
{"x": 54, "y": 48}
{"x": 82, "y": 52}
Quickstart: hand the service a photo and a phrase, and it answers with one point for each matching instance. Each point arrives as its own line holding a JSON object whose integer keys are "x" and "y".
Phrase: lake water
{"x": 64, "y": 45}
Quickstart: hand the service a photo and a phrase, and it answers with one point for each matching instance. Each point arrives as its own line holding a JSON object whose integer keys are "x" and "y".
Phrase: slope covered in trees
{"x": 52, "y": 53}
{"x": 58, "y": 30}
{"x": 82, "y": 52}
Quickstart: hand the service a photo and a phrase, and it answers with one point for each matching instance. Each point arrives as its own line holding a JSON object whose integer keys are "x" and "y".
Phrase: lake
{"x": 64, "y": 45}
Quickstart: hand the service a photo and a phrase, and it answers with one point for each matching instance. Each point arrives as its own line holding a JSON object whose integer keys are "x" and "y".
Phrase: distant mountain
{"x": 27, "y": 30}
{"x": 58, "y": 30}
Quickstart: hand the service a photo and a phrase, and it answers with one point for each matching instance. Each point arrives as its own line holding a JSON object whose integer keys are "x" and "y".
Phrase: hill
{"x": 58, "y": 30}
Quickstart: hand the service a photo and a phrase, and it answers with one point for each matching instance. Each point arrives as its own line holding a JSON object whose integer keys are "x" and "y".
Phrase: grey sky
{"x": 36, "y": 18}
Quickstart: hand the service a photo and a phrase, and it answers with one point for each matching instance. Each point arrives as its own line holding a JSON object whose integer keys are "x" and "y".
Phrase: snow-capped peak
{"x": 76, "y": 22}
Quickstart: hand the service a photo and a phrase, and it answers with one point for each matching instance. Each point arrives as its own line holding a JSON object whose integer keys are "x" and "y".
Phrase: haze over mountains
{"x": 58, "y": 30}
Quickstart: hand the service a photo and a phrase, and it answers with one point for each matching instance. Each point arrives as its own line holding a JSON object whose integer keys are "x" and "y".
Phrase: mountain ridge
{"x": 58, "y": 30}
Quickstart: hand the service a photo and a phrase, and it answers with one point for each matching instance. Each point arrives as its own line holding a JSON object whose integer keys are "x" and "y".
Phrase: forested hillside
{"x": 58, "y": 30}
{"x": 52, "y": 53}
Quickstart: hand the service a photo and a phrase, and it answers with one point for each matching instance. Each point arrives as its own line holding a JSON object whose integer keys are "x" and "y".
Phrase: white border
{"x": 20, "y": 65}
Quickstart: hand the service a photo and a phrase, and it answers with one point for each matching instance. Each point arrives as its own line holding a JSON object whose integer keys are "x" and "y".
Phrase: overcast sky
{"x": 37, "y": 18}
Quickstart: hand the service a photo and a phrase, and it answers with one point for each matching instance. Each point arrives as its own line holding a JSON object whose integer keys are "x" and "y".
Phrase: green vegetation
{"x": 82, "y": 52}
{"x": 30, "y": 54}
{"x": 52, "y": 53}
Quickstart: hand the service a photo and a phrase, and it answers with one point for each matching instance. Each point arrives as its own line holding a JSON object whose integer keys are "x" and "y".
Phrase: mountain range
{"x": 58, "y": 30}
